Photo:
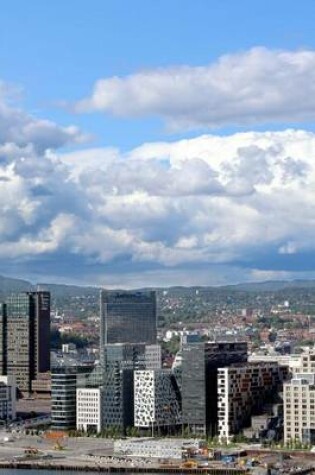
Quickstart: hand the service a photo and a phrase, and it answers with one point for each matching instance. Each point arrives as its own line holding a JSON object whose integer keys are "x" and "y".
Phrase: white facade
{"x": 299, "y": 408}
{"x": 297, "y": 363}
{"x": 307, "y": 361}
{"x": 153, "y": 357}
{"x": 89, "y": 409}
{"x": 156, "y": 399}
{"x": 149, "y": 448}
{"x": 69, "y": 348}
{"x": 293, "y": 362}
{"x": 7, "y": 397}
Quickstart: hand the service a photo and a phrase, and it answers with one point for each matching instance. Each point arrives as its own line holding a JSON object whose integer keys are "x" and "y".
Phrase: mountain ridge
{"x": 10, "y": 285}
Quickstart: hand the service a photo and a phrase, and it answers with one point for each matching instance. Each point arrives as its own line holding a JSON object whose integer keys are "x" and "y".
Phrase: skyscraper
{"x": 120, "y": 361}
{"x": 200, "y": 363}
{"x": 25, "y": 337}
{"x": 3, "y": 340}
{"x": 128, "y": 317}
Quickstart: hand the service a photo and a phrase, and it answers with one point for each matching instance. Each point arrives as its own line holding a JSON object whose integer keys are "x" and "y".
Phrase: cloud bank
{"x": 258, "y": 86}
{"x": 213, "y": 209}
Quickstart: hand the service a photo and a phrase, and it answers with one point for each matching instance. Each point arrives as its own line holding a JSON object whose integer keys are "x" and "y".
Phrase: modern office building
{"x": 153, "y": 356}
{"x": 3, "y": 340}
{"x": 41, "y": 386}
{"x": 119, "y": 363}
{"x": 147, "y": 448}
{"x": 63, "y": 397}
{"x": 200, "y": 363}
{"x": 243, "y": 390}
{"x": 25, "y": 337}
{"x": 299, "y": 409}
{"x": 89, "y": 409}
{"x": 7, "y": 398}
{"x": 157, "y": 400}
{"x": 128, "y": 317}
{"x": 177, "y": 368}
{"x": 64, "y": 383}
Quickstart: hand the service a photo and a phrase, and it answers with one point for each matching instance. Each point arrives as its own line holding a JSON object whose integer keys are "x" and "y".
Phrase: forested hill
{"x": 9, "y": 285}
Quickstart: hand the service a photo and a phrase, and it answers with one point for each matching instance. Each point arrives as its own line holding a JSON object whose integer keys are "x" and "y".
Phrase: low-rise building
{"x": 41, "y": 387}
{"x": 7, "y": 398}
{"x": 150, "y": 448}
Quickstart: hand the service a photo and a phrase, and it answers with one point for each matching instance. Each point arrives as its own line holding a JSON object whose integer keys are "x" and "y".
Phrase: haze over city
{"x": 157, "y": 143}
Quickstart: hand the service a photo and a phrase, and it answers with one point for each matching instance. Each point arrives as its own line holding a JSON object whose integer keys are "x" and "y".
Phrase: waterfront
{"x": 22, "y": 455}
{"x": 22, "y": 471}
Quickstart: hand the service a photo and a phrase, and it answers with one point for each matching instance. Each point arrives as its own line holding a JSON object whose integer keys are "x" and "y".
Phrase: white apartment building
{"x": 293, "y": 362}
{"x": 156, "y": 399}
{"x": 307, "y": 361}
{"x": 242, "y": 388}
{"x": 299, "y": 408}
{"x": 89, "y": 409}
{"x": 297, "y": 363}
{"x": 7, "y": 397}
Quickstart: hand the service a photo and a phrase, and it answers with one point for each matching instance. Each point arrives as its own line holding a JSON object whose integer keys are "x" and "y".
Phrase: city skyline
{"x": 167, "y": 143}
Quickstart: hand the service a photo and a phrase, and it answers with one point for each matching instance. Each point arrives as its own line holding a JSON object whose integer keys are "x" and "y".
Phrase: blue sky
{"x": 157, "y": 142}
{"x": 55, "y": 51}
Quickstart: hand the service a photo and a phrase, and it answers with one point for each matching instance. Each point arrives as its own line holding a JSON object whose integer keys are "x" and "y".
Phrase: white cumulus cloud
{"x": 205, "y": 200}
{"x": 235, "y": 207}
{"x": 253, "y": 87}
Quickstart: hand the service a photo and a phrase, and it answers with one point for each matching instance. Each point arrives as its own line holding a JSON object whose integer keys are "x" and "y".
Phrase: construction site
{"x": 57, "y": 451}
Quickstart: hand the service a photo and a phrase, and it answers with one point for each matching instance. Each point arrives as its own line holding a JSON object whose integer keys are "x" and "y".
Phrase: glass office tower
{"x": 200, "y": 363}
{"x": 25, "y": 337}
{"x": 128, "y": 317}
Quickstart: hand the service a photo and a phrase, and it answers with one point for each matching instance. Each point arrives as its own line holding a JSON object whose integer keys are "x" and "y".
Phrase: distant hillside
{"x": 9, "y": 285}
{"x": 61, "y": 290}
{"x": 273, "y": 285}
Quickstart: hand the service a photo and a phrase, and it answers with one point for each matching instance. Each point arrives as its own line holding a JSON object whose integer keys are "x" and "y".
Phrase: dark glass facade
{"x": 25, "y": 337}
{"x": 199, "y": 381}
{"x": 63, "y": 398}
{"x": 3, "y": 339}
{"x": 120, "y": 361}
{"x": 128, "y": 317}
{"x": 64, "y": 383}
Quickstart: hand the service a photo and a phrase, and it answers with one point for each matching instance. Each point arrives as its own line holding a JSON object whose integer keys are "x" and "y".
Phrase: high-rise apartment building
{"x": 200, "y": 363}
{"x": 128, "y": 317}
{"x": 243, "y": 390}
{"x": 299, "y": 409}
{"x": 25, "y": 337}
